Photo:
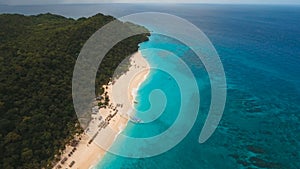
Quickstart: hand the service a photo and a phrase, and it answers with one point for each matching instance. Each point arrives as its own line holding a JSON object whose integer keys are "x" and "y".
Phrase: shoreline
{"x": 107, "y": 123}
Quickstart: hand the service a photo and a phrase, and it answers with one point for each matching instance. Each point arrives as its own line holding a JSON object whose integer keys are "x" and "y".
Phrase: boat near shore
{"x": 136, "y": 120}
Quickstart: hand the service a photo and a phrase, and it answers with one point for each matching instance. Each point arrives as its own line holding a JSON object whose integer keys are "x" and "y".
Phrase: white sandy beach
{"x": 88, "y": 153}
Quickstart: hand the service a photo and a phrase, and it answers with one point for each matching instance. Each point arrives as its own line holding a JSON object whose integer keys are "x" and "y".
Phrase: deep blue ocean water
{"x": 260, "y": 50}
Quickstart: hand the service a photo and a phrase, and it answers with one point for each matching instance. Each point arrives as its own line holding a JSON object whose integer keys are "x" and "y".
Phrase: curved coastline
{"x": 88, "y": 154}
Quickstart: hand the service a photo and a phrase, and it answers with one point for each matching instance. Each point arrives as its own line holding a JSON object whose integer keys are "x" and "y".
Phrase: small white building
{"x": 95, "y": 109}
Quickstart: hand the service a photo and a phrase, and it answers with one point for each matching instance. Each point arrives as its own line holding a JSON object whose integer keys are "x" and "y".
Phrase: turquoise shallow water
{"x": 163, "y": 108}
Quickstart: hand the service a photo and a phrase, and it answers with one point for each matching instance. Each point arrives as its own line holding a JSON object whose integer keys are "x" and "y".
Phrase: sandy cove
{"x": 106, "y": 124}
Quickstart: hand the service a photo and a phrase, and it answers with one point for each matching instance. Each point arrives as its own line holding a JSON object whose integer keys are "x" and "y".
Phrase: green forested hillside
{"x": 37, "y": 57}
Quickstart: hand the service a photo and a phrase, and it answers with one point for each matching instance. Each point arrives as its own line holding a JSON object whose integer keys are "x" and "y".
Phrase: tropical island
{"x": 37, "y": 58}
